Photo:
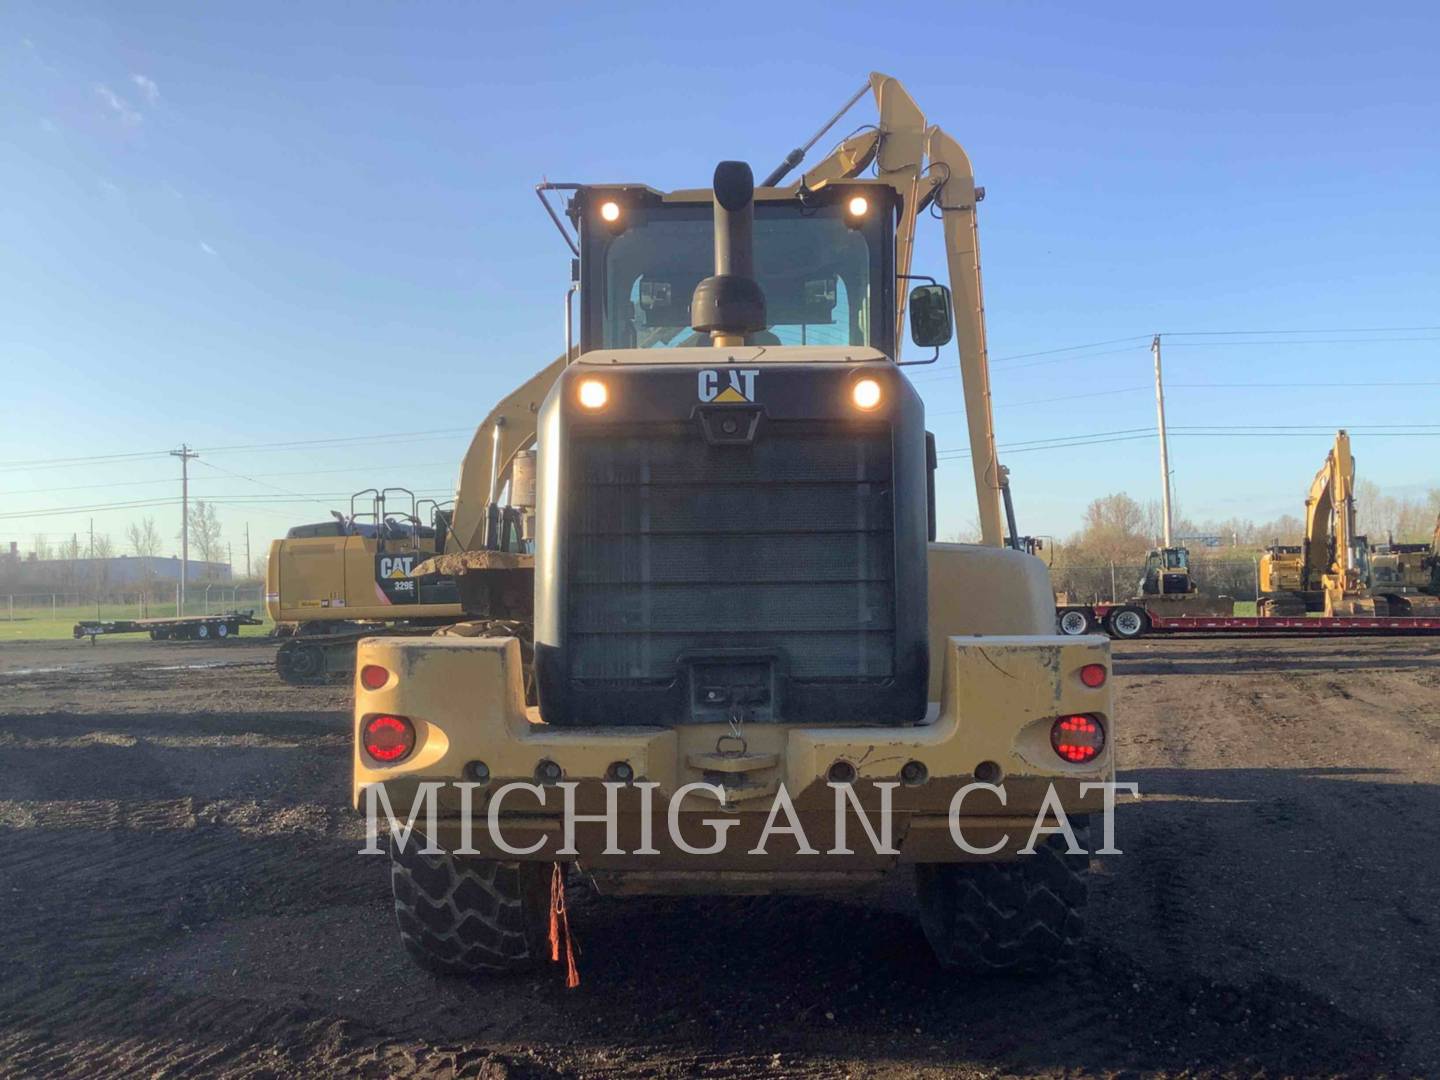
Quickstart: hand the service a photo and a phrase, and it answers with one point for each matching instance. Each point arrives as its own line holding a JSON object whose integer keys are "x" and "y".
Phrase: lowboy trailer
{"x": 217, "y": 627}
{"x": 1130, "y": 620}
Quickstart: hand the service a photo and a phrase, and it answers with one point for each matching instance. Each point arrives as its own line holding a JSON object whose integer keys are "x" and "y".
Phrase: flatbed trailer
{"x": 217, "y": 627}
{"x": 1133, "y": 619}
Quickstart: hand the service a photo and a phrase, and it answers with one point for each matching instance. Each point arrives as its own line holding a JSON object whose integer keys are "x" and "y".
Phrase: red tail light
{"x": 1077, "y": 739}
{"x": 1093, "y": 675}
{"x": 373, "y": 676}
{"x": 388, "y": 739}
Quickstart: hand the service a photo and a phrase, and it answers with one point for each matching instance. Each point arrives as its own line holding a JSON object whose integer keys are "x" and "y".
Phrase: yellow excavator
{"x": 1330, "y": 569}
{"x": 739, "y": 607}
{"x": 330, "y": 584}
{"x": 1407, "y": 576}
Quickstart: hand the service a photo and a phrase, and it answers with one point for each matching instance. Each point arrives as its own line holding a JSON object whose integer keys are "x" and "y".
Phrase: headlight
{"x": 592, "y": 394}
{"x": 866, "y": 394}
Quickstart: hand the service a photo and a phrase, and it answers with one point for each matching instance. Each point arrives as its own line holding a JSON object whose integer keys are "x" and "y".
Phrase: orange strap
{"x": 560, "y": 924}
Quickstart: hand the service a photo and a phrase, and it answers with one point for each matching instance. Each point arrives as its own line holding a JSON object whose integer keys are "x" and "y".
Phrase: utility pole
{"x": 248, "y": 564}
{"x": 94, "y": 575}
{"x": 1164, "y": 445}
{"x": 185, "y": 454}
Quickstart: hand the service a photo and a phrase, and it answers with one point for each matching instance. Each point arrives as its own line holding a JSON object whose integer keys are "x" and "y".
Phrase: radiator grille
{"x": 783, "y": 545}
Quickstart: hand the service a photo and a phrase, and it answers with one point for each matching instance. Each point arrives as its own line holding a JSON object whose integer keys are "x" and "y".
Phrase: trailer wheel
{"x": 222, "y": 630}
{"x": 1128, "y": 623}
{"x": 1075, "y": 622}
{"x": 202, "y": 631}
{"x": 462, "y": 915}
{"x": 1020, "y": 917}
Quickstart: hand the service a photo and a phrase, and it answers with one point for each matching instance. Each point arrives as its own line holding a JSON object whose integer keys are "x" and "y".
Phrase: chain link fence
{"x": 152, "y": 603}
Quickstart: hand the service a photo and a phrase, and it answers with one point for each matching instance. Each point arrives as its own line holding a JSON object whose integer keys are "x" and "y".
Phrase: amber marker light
{"x": 610, "y": 211}
{"x": 858, "y": 206}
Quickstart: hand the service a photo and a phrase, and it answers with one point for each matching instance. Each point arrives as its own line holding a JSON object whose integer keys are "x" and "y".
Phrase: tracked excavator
{"x": 1330, "y": 570}
{"x": 1407, "y": 576}
{"x": 330, "y": 584}
{"x": 738, "y": 602}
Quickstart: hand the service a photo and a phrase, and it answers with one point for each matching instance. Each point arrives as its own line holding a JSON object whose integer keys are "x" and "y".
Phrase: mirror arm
{"x": 919, "y": 363}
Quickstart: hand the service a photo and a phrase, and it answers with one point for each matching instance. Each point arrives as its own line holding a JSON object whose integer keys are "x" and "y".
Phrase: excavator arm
{"x": 930, "y": 170}
{"x": 1330, "y": 519}
{"x": 485, "y": 469}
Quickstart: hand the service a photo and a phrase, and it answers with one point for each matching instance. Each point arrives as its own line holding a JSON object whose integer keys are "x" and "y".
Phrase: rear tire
{"x": 1075, "y": 622}
{"x": 461, "y": 915}
{"x": 222, "y": 631}
{"x": 1020, "y": 917}
{"x": 1127, "y": 623}
{"x": 201, "y": 631}
{"x": 300, "y": 664}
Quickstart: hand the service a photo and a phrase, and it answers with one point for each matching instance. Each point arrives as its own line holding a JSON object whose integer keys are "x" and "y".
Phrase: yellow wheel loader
{"x": 754, "y": 669}
{"x": 332, "y": 583}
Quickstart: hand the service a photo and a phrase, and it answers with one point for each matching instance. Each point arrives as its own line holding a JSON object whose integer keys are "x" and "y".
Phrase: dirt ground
{"x": 183, "y": 896}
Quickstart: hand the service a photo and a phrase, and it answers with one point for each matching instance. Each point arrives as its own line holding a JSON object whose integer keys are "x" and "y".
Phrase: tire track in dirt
{"x": 208, "y": 915}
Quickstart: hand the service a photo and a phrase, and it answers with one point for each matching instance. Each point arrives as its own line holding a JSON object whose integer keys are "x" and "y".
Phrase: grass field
{"x": 47, "y": 624}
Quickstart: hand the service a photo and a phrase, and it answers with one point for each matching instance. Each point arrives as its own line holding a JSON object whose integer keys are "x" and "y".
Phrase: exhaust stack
{"x": 729, "y": 304}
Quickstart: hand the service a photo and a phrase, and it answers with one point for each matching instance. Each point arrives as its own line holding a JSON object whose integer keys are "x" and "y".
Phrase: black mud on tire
{"x": 462, "y": 915}
{"x": 1020, "y": 917}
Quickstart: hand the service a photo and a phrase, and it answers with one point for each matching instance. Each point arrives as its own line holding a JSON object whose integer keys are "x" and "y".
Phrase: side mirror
{"x": 930, "y": 321}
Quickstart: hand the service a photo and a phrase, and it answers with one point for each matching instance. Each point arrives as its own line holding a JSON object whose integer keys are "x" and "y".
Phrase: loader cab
{"x": 825, "y": 262}
{"x": 733, "y": 533}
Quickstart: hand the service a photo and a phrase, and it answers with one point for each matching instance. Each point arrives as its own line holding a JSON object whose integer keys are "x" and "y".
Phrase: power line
{"x": 963, "y": 453}
{"x": 1308, "y": 341}
{"x": 386, "y": 437}
{"x": 292, "y": 472}
{"x": 60, "y": 463}
{"x": 1047, "y": 401}
{"x": 343, "y": 439}
{"x": 1362, "y": 428}
{"x": 1067, "y": 348}
{"x": 954, "y": 373}
{"x": 1293, "y": 386}
{"x": 1323, "y": 330}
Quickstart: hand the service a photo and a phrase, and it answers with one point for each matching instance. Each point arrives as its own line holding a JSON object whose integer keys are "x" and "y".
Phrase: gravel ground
{"x": 183, "y": 896}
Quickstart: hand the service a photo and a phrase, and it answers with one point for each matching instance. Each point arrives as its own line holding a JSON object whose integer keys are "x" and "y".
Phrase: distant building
{"x": 120, "y": 572}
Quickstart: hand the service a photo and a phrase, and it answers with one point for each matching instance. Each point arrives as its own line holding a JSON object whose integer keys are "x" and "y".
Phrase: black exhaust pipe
{"x": 729, "y": 304}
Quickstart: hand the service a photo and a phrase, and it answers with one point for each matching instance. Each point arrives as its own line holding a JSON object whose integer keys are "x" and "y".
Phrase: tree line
{"x": 141, "y": 539}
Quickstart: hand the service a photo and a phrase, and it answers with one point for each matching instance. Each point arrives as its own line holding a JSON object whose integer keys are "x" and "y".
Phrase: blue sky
{"x": 234, "y": 225}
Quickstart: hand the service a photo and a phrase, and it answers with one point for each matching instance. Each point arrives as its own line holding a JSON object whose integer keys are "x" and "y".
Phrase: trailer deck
{"x": 217, "y": 627}
{"x": 1134, "y": 619}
